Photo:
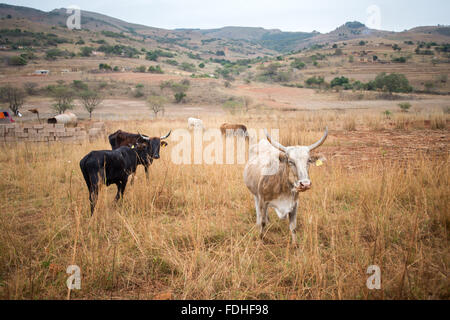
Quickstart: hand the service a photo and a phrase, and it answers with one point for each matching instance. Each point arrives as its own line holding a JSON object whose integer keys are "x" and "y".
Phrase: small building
{"x": 42, "y": 72}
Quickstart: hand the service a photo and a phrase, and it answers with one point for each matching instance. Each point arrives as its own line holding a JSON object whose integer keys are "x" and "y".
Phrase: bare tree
{"x": 156, "y": 104}
{"x": 247, "y": 101}
{"x": 90, "y": 100}
{"x": 30, "y": 88}
{"x": 14, "y": 96}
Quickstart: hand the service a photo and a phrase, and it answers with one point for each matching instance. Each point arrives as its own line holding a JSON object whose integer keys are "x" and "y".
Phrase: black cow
{"x": 112, "y": 167}
{"x": 121, "y": 138}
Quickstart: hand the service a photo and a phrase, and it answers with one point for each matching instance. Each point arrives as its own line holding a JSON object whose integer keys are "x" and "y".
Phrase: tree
{"x": 104, "y": 66}
{"x": 90, "y": 100}
{"x": 79, "y": 85}
{"x": 180, "y": 90}
{"x": 298, "y": 64}
{"x": 156, "y": 104}
{"x": 14, "y": 96}
{"x": 429, "y": 85}
{"x": 396, "y": 47}
{"x": 247, "y": 102}
{"x": 86, "y": 51}
{"x": 63, "y": 97}
{"x": 179, "y": 96}
{"x": 393, "y": 82}
{"x": 30, "y": 88}
{"x": 339, "y": 81}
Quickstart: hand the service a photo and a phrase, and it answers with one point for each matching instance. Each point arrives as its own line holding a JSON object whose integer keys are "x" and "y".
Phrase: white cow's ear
{"x": 283, "y": 157}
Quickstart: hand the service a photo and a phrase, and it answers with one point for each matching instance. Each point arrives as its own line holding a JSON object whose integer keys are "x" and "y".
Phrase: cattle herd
{"x": 274, "y": 174}
{"x": 115, "y": 166}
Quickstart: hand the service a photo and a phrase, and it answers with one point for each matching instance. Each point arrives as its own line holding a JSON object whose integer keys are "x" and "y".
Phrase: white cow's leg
{"x": 263, "y": 206}
{"x": 258, "y": 212}
{"x": 293, "y": 223}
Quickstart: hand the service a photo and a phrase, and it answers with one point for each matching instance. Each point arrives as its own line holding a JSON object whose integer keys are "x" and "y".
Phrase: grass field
{"x": 189, "y": 233}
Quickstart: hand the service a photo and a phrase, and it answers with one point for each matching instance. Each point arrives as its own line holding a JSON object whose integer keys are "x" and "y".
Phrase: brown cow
{"x": 121, "y": 138}
{"x": 233, "y": 129}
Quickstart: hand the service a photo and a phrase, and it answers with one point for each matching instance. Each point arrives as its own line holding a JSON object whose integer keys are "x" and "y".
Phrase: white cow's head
{"x": 298, "y": 159}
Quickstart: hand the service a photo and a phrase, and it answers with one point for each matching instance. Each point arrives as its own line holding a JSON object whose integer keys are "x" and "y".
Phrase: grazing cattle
{"x": 194, "y": 123}
{"x": 233, "y": 129}
{"x": 121, "y": 138}
{"x": 275, "y": 175}
{"x": 112, "y": 167}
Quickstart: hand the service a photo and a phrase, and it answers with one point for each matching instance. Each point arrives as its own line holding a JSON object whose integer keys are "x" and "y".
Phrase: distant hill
{"x": 273, "y": 39}
{"x": 240, "y": 41}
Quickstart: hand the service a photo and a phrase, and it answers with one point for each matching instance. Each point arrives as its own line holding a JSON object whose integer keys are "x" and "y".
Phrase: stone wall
{"x": 50, "y": 132}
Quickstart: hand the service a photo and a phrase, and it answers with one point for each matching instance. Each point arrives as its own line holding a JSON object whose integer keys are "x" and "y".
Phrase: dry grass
{"x": 191, "y": 230}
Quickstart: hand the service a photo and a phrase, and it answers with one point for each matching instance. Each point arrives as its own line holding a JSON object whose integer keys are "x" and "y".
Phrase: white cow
{"x": 194, "y": 123}
{"x": 275, "y": 175}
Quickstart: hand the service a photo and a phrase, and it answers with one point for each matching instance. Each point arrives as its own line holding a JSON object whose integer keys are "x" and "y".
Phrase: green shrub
{"x": 86, "y": 51}
{"x": 141, "y": 69}
{"x": 399, "y": 60}
{"x": 171, "y": 62}
{"x": 179, "y": 96}
{"x": 17, "y": 61}
{"x": 156, "y": 69}
{"x": 404, "y": 106}
{"x": 79, "y": 85}
{"x": 104, "y": 66}
{"x": 187, "y": 67}
{"x": 298, "y": 64}
{"x": 315, "y": 81}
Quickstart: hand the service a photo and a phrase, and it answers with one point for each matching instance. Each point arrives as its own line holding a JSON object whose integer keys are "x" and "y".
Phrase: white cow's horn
{"x": 320, "y": 142}
{"x": 276, "y": 144}
{"x": 166, "y": 136}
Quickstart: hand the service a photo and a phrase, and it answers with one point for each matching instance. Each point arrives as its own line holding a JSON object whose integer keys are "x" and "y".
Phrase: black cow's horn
{"x": 166, "y": 136}
{"x": 143, "y": 137}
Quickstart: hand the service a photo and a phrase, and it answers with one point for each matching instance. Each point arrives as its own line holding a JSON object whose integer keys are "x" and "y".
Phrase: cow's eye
{"x": 292, "y": 163}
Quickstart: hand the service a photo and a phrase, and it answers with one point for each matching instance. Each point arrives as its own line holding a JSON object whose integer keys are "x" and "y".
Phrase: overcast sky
{"x": 287, "y": 15}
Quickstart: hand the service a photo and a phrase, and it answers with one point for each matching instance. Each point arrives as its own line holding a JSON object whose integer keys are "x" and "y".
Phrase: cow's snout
{"x": 156, "y": 156}
{"x": 303, "y": 185}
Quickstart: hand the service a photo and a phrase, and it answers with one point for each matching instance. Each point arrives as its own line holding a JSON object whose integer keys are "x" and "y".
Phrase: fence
{"x": 50, "y": 132}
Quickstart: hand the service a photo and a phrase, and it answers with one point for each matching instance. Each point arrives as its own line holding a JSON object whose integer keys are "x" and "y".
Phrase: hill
{"x": 240, "y": 42}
